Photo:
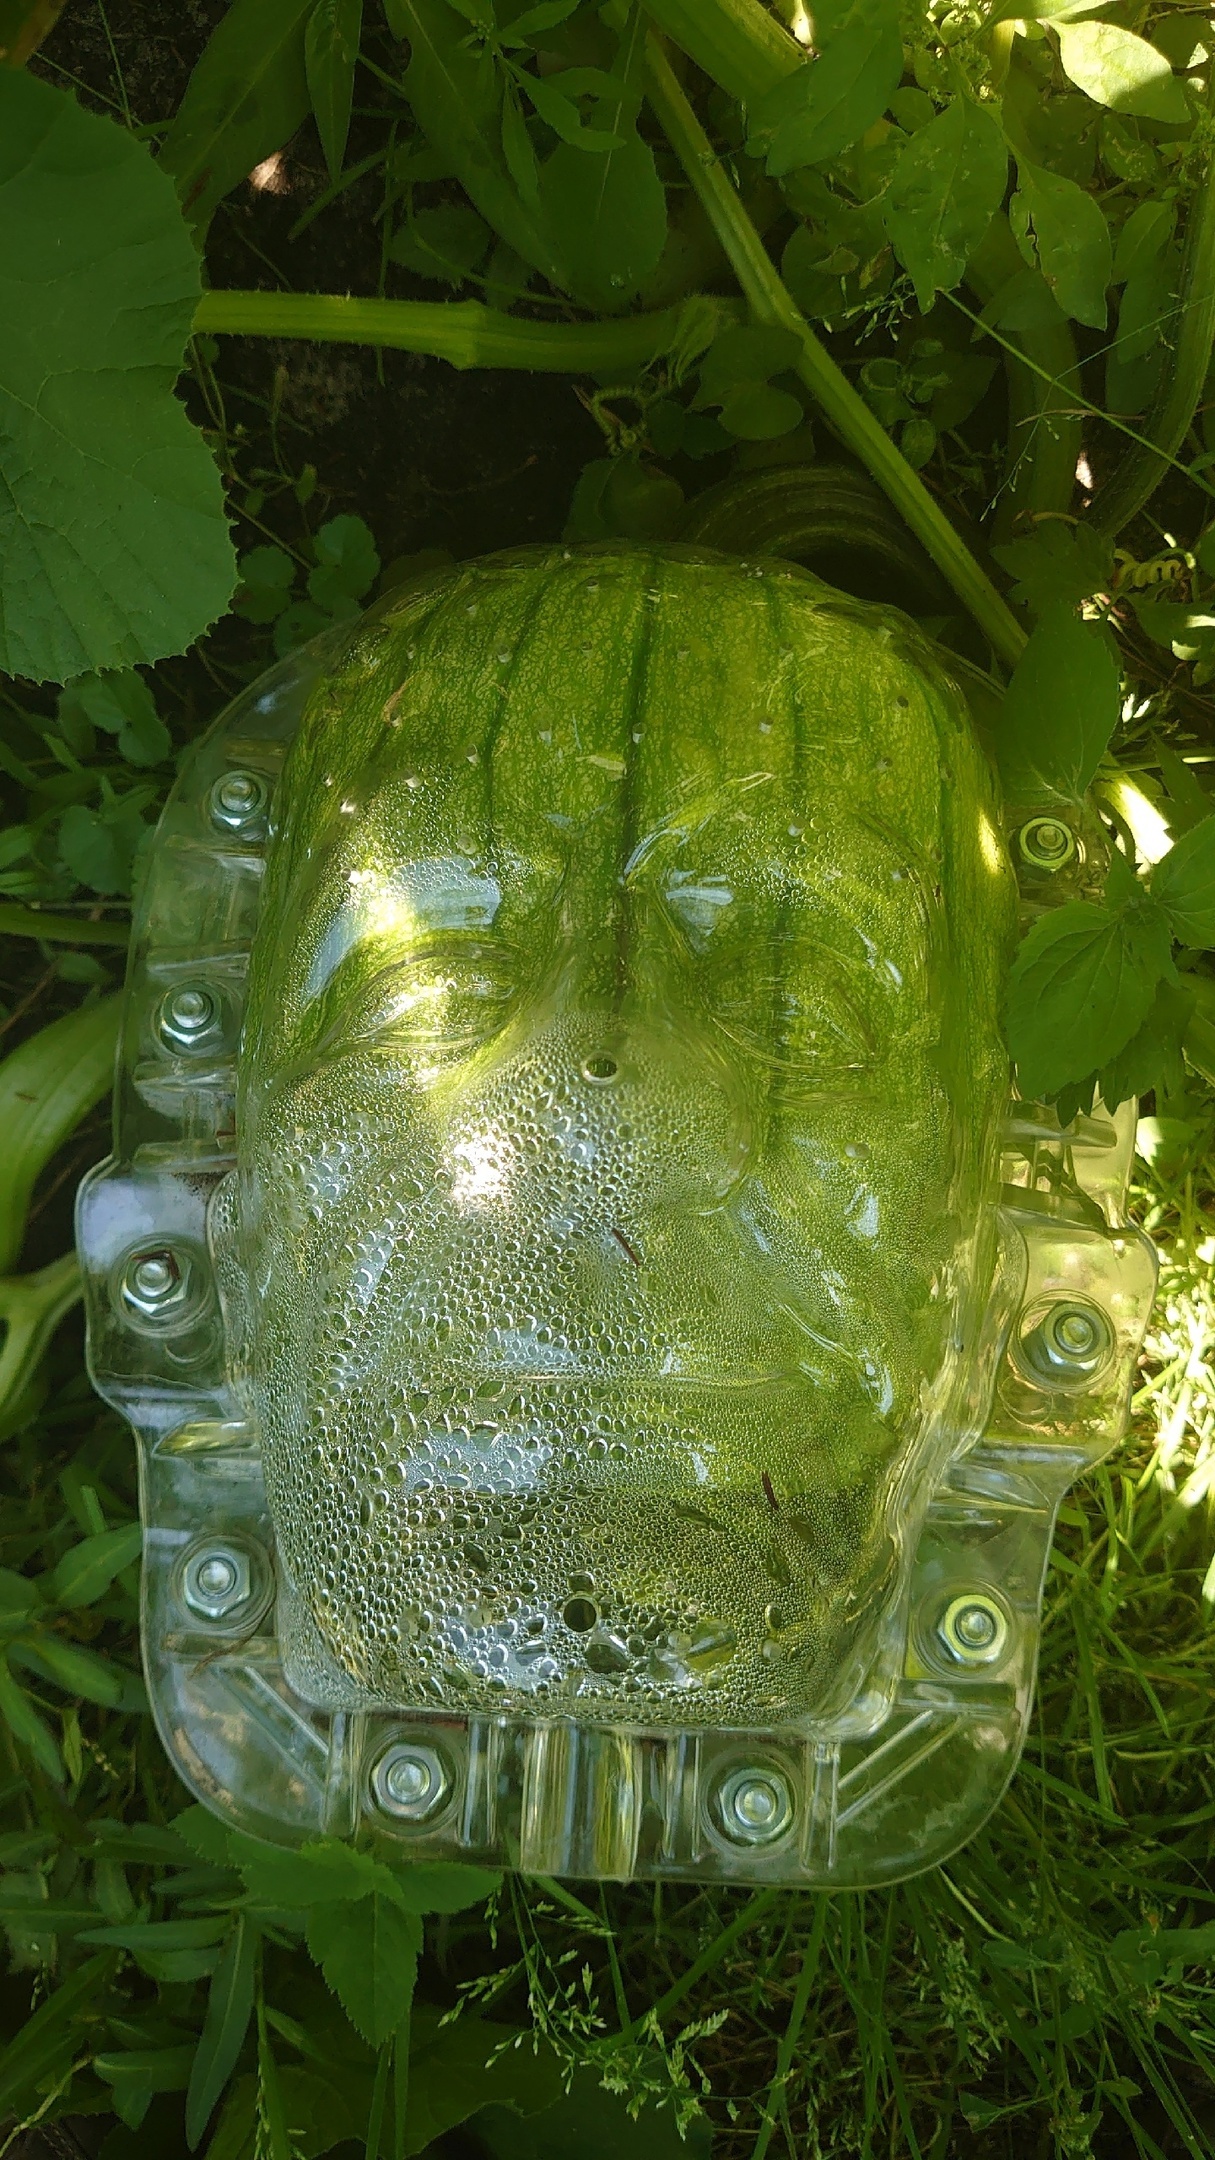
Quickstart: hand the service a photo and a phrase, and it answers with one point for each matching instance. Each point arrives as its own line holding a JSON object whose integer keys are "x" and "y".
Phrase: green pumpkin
{"x": 618, "y": 1115}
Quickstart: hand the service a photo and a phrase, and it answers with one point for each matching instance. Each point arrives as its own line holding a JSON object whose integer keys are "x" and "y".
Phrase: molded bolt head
{"x": 238, "y": 800}
{"x": 187, "y": 1014}
{"x": 755, "y": 1805}
{"x": 156, "y": 1285}
{"x": 1070, "y": 1345}
{"x": 1046, "y": 843}
{"x": 974, "y": 1629}
{"x": 216, "y": 1581}
{"x": 410, "y": 1781}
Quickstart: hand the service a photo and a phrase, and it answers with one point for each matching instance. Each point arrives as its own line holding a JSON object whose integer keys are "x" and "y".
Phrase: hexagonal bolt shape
{"x": 410, "y": 1781}
{"x": 1046, "y": 843}
{"x": 974, "y": 1629}
{"x": 187, "y": 1018}
{"x": 754, "y": 1805}
{"x": 237, "y": 802}
{"x": 1069, "y": 1345}
{"x": 157, "y": 1285}
{"x": 216, "y": 1580}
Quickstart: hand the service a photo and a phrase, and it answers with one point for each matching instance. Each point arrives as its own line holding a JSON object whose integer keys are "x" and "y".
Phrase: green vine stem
{"x": 466, "y": 332}
{"x": 1130, "y": 485}
{"x": 18, "y": 921}
{"x": 1044, "y": 420}
{"x": 736, "y": 42}
{"x": 846, "y": 410}
{"x": 743, "y": 49}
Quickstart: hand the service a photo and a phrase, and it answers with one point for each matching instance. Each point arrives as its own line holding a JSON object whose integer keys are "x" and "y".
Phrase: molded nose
{"x": 644, "y": 1109}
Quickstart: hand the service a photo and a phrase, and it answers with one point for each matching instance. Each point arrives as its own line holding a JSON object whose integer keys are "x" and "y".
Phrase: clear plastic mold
{"x": 593, "y": 1418}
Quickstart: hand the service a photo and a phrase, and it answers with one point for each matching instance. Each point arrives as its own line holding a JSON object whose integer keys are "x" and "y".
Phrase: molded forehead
{"x": 578, "y": 719}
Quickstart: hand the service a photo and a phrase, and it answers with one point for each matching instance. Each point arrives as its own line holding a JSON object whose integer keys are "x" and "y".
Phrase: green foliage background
{"x": 759, "y": 249}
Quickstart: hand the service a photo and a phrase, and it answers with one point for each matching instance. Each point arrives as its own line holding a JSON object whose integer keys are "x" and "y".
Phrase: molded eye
{"x": 453, "y": 995}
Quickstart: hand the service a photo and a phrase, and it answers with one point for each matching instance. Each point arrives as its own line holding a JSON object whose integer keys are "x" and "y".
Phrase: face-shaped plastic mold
{"x": 598, "y": 1408}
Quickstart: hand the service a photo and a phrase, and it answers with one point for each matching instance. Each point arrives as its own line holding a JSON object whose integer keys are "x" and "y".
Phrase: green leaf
{"x": 1059, "y": 710}
{"x": 518, "y": 149}
{"x": 608, "y": 214}
{"x": 1188, "y": 632}
{"x": 444, "y": 1886}
{"x": 229, "y": 2008}
{"x": 1072, "y": 237}
{"x": 161, "y": 1934}
{"x": 446, "y": 242}
{"x": 562, "y": 115}
{"x": 348, "y": 563}
{"x": 1118, "y": 69}
{"x": 86, "y": 1572}
{"x": 1057, "y": 565}
{"x": 826, "y": 105}
{"x": 748, "y": 353}
{"x": 368, "y": 1952}
{"x": 1080, "y": 985}
{"x": 456, "y": 96}
{"x": 945, "y": 189}
{"x": 756, "y": 412}
{"x": 331, "y": 51}
{"x": 266, "y": 579}
{"x": 326, "y": 1872}
{"x": 46, "y": 1086}
{"x": 82, "y": 1672}
{"x": 111, "y": 514}
{"x": 1153, "y": 1056}
{"x": 587, "y": 2122}
{"x": 120, "y": 705}
{"x": 1183, "y": 881}
{"x": 28, "y": 1727}
{"x": 244, "y": 100}
{"x": 1143, "y": 238}
{"x": 47, "y": 2042}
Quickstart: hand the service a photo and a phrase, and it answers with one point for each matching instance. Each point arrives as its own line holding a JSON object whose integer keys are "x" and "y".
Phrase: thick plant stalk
{"x": 1168, "y": 423}
{"x": 465, "y": 332}
{"x": 742, "y": 48}
{"x": 847, "y": 411}
{"x": 736, "y": 42}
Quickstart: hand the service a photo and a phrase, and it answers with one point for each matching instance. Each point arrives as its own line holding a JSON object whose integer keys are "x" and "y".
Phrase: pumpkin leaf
{"x": 825, "y": 106}
{"x": 1072, "y": 240}
{"x": 112, "y": 530}
{"x": 943, "y": 194}
{"x": 1060, "y": 710}
{"x": 331, "y": 51}
{"x": 245, "y": 99}
{"x": 1079, "y": 988}
{"x": 1116, "y": 68}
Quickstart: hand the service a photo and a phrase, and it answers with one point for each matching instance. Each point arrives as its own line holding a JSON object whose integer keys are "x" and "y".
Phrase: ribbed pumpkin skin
{"x": 617, "y": 1136}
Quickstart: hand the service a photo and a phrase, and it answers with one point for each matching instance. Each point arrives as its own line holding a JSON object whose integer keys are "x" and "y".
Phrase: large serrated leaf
{"x": 368, "y": 1953}
{"x": 112, "y": 529}
{"x": 1080, "y": 986}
